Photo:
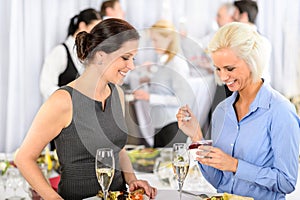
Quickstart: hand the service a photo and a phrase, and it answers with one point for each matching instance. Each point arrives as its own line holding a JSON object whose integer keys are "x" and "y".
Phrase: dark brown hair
{"x": 248, "y": 6}
{"x": 107, "y": 36}
{"x": 105, "y": 5}
{"x": 86, "y": 16}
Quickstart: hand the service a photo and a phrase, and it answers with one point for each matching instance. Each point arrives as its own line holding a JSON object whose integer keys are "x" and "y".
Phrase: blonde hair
{"x": 167, "y": 29}
{"x": 246, "y": 42}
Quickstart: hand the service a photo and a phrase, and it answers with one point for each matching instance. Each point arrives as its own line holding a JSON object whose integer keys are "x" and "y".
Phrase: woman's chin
{"x": 119, "y": 82}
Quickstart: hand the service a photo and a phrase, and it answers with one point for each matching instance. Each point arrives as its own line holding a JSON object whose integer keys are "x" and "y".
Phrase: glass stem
{"x": 105, "y": 192}
{"x": 180, "y": 184}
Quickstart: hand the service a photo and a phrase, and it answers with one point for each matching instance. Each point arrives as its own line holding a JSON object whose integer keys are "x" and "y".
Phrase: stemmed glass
{"x": 105, "y": 168}
{"x": 181, "y": 163}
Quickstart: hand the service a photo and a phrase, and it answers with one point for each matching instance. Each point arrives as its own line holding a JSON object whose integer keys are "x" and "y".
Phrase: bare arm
{"x": 130, "y": 177}
{"x": 126, "y": 167}
{"x": 53, "y": 116}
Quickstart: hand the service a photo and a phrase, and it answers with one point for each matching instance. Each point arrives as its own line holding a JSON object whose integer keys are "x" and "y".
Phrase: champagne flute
{"x": 181, "y": 163}
{"x": 105, "y": 168}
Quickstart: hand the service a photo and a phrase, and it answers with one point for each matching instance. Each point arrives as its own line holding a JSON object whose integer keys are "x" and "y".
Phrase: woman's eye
{"x": 125, "y": 58}
{"x": 230, "y": 69}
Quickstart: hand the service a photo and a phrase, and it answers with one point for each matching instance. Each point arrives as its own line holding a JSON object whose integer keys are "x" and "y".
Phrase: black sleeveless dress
{"x": 91, "y": 128}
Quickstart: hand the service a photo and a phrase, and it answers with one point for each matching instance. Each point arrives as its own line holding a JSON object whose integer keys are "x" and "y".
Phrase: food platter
{"x": 124, "y": 195}
{"x": 143, "y": 160}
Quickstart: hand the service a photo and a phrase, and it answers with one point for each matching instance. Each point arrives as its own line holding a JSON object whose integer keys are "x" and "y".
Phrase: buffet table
{"x": 194, "y": 182}
{"x": 165, "y": 194}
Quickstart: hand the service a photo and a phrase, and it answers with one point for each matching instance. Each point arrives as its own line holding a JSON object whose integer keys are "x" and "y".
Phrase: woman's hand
{"x": 149, "y": 190}
{"x": 144, "y": 80}
{"x": 188, "y": 123}
{"x": 141, "y": 95}
{"x": 218, "y": 159}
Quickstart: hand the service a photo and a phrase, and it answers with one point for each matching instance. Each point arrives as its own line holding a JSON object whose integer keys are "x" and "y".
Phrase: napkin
{"x": 54, "y": 182}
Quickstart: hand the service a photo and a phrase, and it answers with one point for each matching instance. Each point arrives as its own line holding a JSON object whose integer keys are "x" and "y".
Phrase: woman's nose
{"x": 223, "y": 75}
{"x": 130, "y": 65}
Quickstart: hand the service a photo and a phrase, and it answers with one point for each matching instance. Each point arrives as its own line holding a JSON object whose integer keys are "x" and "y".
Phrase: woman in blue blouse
{"x": 255, "y": 131}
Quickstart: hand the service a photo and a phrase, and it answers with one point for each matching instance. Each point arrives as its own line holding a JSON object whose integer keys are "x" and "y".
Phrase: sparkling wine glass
{"x": 105, "y": 168}
{"x": 181, "y": 163}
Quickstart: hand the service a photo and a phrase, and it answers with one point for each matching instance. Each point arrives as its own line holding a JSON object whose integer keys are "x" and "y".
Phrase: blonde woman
{"x": 255, "y": 131}
{"x": 168, "y": 87}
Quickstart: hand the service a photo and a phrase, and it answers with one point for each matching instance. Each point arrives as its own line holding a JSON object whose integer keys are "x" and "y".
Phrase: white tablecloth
{"x": 192, "y": 183}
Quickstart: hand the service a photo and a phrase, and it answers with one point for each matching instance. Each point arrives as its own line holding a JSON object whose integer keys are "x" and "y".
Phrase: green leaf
{"x": 4, "y": 166}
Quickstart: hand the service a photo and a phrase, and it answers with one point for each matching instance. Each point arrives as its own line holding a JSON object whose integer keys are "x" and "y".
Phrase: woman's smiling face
{"x": 121, "y": 62}
{"x": 232, "y": 70}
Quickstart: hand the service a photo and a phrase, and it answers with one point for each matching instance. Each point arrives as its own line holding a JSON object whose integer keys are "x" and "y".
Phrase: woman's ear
{"x": 100, "y": 55}
{"x": 244, "y": 17}
{"x": 82, "y": 26}
{"x": 109, "y": 11}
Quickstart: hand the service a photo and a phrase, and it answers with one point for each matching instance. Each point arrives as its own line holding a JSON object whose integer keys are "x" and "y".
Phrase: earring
{"x": 100, "y": 63}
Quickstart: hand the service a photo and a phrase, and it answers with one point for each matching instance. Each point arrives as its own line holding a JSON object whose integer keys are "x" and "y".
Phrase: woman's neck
{"x": 249, "y": 93}
{"x": 92, "y": 85}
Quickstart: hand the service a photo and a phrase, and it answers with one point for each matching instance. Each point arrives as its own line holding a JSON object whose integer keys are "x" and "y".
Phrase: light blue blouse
{"x": 265, "y": 142}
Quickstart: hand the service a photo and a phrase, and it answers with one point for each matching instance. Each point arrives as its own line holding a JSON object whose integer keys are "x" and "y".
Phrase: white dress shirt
{"x": 55, "y": 64}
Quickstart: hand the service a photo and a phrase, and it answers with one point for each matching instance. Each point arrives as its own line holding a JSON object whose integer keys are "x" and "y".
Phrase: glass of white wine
{"x": 105, "y": 168}
{"x": 180, "y": 163}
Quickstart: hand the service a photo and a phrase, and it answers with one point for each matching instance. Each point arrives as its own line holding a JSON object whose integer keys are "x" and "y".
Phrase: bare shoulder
{"x": 54, "y": 115}
{"x": 59, "y": 107}
{"x": 60, "y": 100}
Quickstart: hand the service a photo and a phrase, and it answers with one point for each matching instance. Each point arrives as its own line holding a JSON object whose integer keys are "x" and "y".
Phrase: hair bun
{"x": 82, "y": 44}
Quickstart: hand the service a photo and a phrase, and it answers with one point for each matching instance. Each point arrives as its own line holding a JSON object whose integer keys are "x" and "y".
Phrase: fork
{"x": 202, "y": 195}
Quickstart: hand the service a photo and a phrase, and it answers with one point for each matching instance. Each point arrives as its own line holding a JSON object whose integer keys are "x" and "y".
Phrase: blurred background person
{"x": 224, "y": 16}
{"x": 246, "y": 11}
{"x": 167, "y": 88}
{"x": 62, "y": 66}
{"x": 111, "y": 9}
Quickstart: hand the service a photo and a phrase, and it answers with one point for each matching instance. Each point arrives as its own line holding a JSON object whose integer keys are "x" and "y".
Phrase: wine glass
{"x": 181, "y": 163}
{"x": 105, "y": 168}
